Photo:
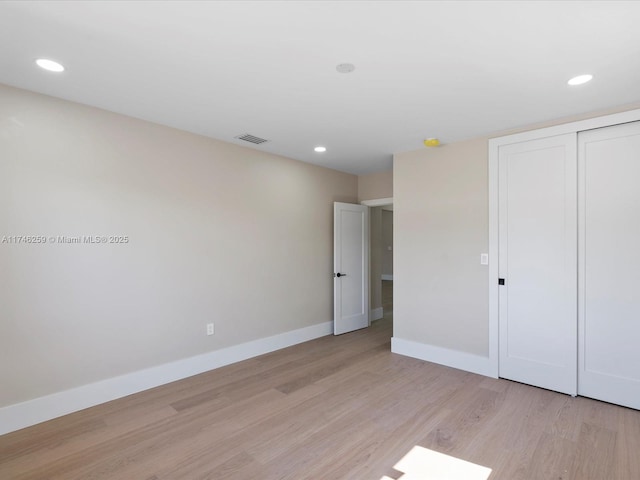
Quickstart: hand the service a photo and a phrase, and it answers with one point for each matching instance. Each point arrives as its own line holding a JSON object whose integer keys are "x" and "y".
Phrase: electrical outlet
{"x": 210, "y": 330}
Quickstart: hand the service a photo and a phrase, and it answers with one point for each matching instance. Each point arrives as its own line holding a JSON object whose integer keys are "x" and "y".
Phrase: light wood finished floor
{"x": 333, "y": 408}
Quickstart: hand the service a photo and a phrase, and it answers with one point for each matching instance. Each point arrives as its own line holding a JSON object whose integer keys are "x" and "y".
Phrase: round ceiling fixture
{"x": 580, "y": 79}
{"x": 320, "y": 149}
{"x": 345, "y": 67}
{"x": 50, "y": 65}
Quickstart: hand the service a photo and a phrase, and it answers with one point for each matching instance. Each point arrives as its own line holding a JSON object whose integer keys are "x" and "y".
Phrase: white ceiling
{"x": 452, "y": 70}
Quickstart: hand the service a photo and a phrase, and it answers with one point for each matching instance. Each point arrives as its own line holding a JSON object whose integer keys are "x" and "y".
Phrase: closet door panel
{"x": 538, "y": 261}
{"x": 609, "y": 235}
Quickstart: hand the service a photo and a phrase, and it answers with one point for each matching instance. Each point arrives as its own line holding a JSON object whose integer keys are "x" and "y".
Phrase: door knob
{"x": 341, "y": 275}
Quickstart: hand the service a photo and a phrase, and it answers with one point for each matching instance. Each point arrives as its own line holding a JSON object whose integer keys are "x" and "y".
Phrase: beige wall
{"x": 375, "y": 186}
{"x": 217, "y": 233}
{"x": 387, "y": 242}
{"x": 441, "y": 228}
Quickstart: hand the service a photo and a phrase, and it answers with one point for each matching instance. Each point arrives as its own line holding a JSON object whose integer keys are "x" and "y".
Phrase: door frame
{"x": 493, "y": 145}
{"x": 376, "y": 202}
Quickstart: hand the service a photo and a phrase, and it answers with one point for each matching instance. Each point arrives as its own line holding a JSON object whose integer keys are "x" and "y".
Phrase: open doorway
{"x": 381, "y": 264}
{"x": 387, "y": 263}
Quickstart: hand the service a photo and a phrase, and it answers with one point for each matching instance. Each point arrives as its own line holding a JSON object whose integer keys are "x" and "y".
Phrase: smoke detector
{"x": 345, "y": 67}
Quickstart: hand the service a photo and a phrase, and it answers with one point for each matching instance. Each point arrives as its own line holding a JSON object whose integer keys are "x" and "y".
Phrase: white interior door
{"x": 538, "y": 262}
{"x": 609, "y": 264}
{"x": 350, "y": 267}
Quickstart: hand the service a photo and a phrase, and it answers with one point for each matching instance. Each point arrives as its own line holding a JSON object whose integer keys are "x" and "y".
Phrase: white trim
{"x": 571, "y": 127}
{"x": 494, "y": 273}
{"x": 494, "y": 145}
{"x": 386, "y": 276}
{"x": 31, "y": 412}
{"x": 378, "y": 202}
{"x": 377, "y": 313}
{"x": 443, "y": 356}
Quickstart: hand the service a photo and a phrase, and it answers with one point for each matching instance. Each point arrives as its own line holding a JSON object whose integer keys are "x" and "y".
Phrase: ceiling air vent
{"x": 251, "y": 139}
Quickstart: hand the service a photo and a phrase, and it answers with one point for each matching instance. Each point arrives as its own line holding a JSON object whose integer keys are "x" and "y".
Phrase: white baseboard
{"x": 31, "y": 412}
{"x": 386, "y": 276}
{"x": 377, "y": 313}
{"x": 443, "y": 356}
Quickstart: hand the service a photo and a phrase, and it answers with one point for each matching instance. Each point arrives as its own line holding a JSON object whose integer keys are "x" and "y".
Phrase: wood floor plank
{"x": 396, "y": 443}
{"x": 568, "y": 419}
{"x": 91, "y": 438}
{"x": 628, "y": 444}
{"x": 452, "y": 435}
{"x": 553, "y": 458}
{"x": 596, "y": 454}
{"x": 283, "y": 433}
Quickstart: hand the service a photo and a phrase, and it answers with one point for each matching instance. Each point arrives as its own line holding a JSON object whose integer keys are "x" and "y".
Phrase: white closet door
{"x": 609, "y": 236}
{"x": 538, "y": 262}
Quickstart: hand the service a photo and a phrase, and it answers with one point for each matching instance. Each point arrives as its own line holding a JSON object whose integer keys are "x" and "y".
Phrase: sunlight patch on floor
{"x": 424, "y": 464}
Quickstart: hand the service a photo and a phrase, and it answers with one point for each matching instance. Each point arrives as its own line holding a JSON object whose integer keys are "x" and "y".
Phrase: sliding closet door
{"x": 538, "y": 262}
{"x": 609, "y": 235}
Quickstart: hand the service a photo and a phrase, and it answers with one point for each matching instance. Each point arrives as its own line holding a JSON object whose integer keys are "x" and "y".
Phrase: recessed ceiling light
{"x": 49, "y": 65}
{"x": 320, "y": 149}
{"x": 345, "y": 67}
{"x": 580, "y": 79}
